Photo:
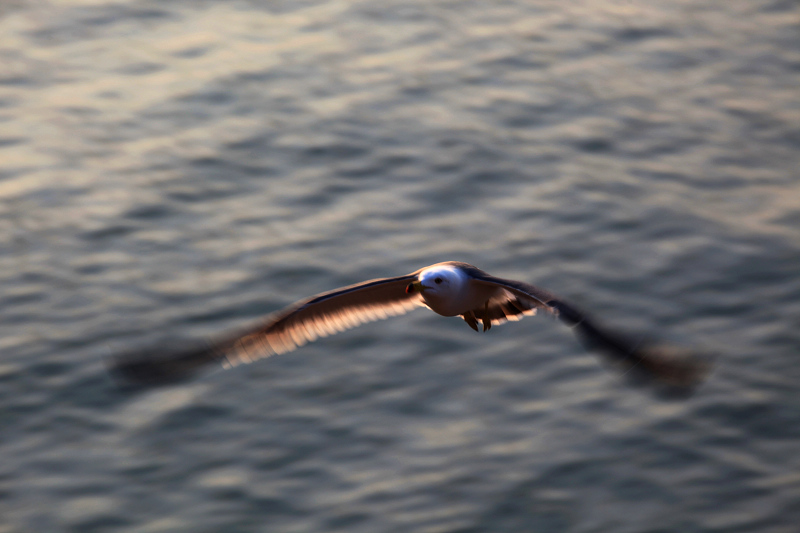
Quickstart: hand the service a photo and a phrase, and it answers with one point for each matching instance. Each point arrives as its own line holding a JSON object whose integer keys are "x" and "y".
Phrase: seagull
{"x": 450, "y": 289}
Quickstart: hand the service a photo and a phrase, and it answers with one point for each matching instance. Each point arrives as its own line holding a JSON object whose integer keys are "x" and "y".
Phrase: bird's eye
{"x": 437, "y": 280}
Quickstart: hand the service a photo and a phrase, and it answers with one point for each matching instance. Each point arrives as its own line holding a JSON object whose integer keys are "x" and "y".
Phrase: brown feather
{"x": 320, "y": 316}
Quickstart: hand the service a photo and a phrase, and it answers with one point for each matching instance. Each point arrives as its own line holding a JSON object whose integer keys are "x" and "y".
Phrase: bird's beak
{"x": 416, "y": 286}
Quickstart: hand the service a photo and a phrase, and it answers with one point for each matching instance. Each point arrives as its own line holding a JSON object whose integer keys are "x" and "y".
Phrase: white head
{"x": 441, "y": 287}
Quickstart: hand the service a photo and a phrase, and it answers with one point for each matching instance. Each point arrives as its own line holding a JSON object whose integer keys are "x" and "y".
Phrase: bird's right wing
{"x": 284, "y": 331}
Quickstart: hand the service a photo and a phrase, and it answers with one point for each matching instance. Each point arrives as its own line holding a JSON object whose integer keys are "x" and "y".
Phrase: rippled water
{"x": 172, "y": 170}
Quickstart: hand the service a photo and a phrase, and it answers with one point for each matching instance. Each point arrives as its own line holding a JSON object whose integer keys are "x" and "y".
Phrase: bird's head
{"x": 438, "y": 281}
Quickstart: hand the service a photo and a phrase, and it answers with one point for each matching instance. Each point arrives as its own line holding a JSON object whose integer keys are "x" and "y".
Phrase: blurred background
{"x": 173, "y": 170}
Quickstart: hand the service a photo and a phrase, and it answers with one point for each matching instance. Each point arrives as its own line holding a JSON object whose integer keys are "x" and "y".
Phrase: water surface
{"x": 172, "y": 170}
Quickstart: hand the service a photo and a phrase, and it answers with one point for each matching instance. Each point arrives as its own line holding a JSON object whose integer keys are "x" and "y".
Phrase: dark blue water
{"x": 174, "y": 170}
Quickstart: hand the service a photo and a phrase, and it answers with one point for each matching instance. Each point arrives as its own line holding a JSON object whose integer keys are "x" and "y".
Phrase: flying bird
{"x": 451, "y": 289}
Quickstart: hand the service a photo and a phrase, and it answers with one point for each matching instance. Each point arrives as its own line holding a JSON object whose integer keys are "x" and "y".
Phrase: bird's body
{"x": 445, "y": 290}
{"x": 449, "y": 289}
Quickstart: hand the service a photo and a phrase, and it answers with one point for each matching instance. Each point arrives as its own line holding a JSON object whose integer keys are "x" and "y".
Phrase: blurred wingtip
{"x": 677, "y": 372}
{"x": 143, "y": 369}
{"x": 673, "y": 368}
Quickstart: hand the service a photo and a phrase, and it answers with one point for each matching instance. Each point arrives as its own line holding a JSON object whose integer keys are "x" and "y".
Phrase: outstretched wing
{"x": 668, "y": 364}
{"x": 284, "y": 331}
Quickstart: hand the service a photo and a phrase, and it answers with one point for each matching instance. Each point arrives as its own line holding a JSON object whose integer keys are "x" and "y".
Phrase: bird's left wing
{"x": 284, "y": 331}
{"x": 668, "y": 364}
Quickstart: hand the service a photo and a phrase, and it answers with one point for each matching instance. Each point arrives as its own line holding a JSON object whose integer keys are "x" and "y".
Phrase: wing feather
{"x": 333, "y": 312}
{"x": 667, "y": 364}
{"x": 305, "y": 321}
{"x": 510, "y": 305}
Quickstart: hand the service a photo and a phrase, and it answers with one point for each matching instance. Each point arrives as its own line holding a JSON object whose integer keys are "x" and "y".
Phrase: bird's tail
{"x": 671, "y": 365}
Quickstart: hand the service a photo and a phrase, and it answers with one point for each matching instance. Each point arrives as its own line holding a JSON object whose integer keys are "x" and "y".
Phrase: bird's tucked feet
{"x": 487, "y": 322}
{"x": 469, "y": 318}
